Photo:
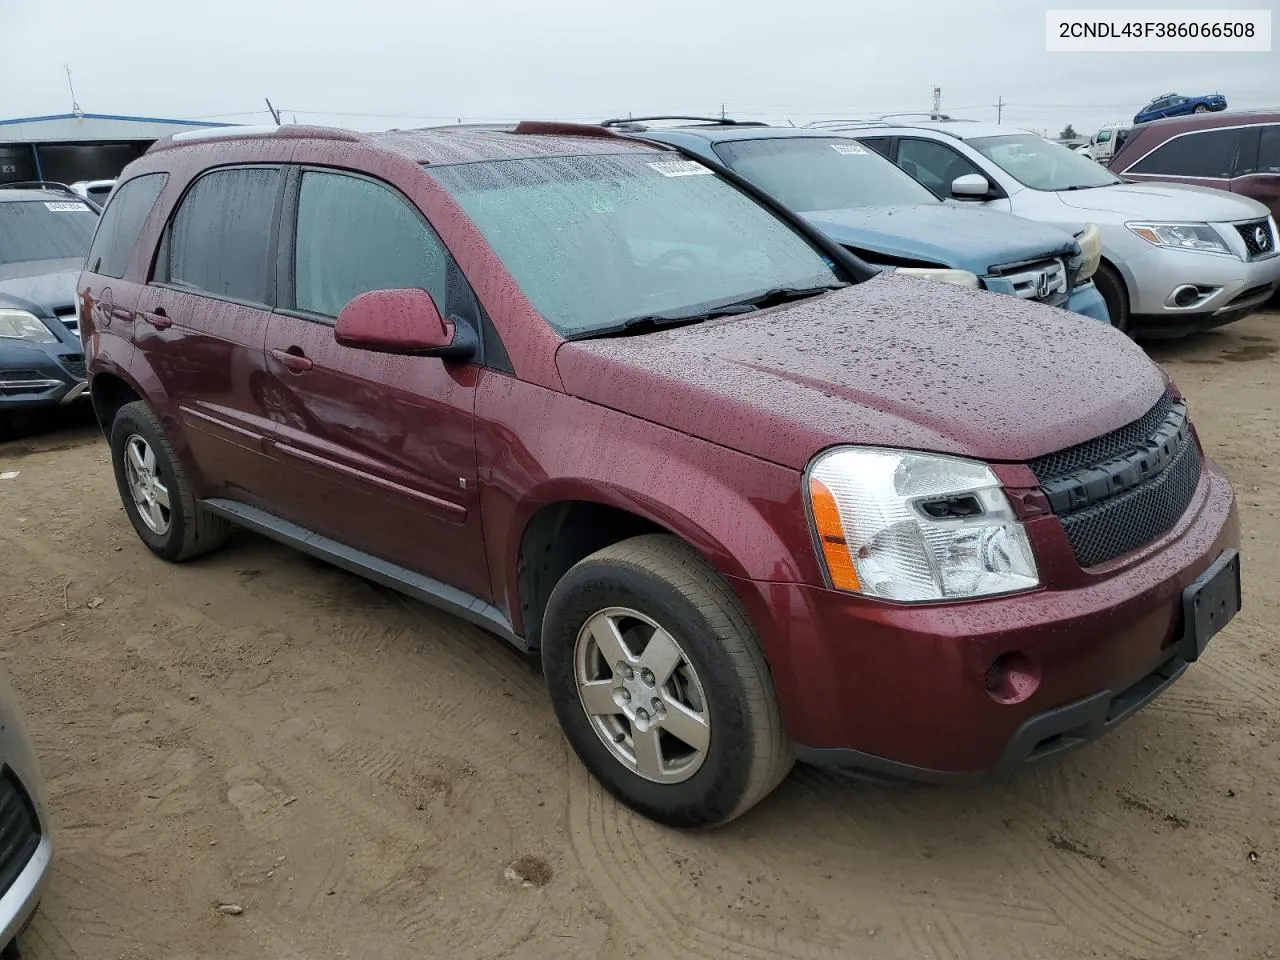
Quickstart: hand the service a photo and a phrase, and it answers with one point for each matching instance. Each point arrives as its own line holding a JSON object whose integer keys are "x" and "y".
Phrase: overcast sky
{"x": 384, "y": 63}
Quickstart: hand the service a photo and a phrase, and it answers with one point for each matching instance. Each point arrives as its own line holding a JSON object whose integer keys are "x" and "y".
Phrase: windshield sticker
{"x": 69, "y": 206}
{"x": 680, "y": 168}
{"x": 849, "y": 149}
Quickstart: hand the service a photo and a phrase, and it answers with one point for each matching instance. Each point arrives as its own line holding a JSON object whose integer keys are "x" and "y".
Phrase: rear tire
{"x": 1112, "y": 287}
{"x": 155, "y": 491}
{"x": 641, "y": 739}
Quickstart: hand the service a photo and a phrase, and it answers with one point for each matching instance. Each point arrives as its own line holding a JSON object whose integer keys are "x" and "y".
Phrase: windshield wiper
{"x": 661, "y": 321}
{"x": 1088, "y": 186}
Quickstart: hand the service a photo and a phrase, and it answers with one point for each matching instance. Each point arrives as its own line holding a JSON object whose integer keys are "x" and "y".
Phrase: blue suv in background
{"x": 868, "y": 205}
{"x": 45, "y": 232}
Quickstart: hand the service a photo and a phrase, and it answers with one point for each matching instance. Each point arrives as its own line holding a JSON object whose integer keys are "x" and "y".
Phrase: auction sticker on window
{"x": 65, "y": 206}
{"x": 679, "y": 168}
{"x": 849, "y": 149}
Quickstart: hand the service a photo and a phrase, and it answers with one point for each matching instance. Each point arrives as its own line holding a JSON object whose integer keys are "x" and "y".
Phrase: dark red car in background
{"x": 749, "y": 499}
{"x": 1238, "y": 152}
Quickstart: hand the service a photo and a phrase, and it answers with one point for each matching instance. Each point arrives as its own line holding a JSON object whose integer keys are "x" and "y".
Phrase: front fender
{"x": 538, "y": 447}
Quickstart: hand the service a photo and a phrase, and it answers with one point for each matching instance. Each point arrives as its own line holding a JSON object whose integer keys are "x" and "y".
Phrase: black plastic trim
{"x": 428, "y": 590}
{"x": 1101, "y": 482}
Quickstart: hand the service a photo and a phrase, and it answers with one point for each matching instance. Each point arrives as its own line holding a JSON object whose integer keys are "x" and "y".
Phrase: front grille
{"x": 1103, "y": 448}
{"x": 69, "y": 320}
{"x": 1120, "y": 491}
{"x": 19, "y": 829}
{"x": 1042, "y": 280}
{"x": 1253, "y": 293}
{"x": 74, "y": 364}
{"x": 1258, "y": 238}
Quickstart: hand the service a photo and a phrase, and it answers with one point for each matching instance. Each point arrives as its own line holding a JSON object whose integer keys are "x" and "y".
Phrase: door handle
{"x": 293, "y": 359}
{"x": 159, "y": 319}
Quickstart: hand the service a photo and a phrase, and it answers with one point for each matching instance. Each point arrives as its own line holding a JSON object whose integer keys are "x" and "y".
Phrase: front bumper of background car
{"x": 40, "y": 375}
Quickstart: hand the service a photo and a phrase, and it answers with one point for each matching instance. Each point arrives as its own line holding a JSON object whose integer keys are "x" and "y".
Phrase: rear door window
{"x": 1209, "y": 153}
{"x": 122, "y": 223}
{"x": 218, "y": 240}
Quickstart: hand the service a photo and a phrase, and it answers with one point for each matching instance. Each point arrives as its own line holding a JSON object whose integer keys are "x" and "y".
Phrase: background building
{"x": 80, "y": 146}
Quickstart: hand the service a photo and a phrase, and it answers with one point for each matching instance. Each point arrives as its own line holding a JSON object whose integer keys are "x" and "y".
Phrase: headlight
{"x": 962, "y": 277}
{"x": 915, "y": 526}
{"x": 1091, "y": 250}
{"x": 1181, "y": 236}
{"x": 20, "y": 325}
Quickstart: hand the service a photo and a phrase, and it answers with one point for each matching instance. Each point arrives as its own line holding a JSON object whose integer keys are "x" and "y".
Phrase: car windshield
{"x": 1035, "y": 162}
{"x": 595, "y": 241}
{"x": 45, "y": 230}
{"x": 811, "y": 173}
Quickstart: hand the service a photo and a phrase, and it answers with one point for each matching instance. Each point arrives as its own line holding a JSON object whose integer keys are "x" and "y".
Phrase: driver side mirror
{"x": 971, "y": 186}
{"x": 402, "y": 322}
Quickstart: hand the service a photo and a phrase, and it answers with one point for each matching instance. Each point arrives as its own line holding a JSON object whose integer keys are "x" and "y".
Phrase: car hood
{"x": 956, "y": 236}
{"x": 895, "y": 361}
{"x": 1164, "y": 201}
{"x": 45, "y": 285}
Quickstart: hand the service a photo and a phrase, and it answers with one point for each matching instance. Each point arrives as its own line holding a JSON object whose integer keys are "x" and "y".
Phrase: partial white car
{"x": 26, "y": 848}
{"x": 95, "y": 191}
{"x": 1176, "y": 259}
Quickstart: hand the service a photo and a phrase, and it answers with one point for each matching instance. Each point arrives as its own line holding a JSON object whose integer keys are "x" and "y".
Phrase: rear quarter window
{"x": 217, "y": 241}
{"x": 121, "y": 224}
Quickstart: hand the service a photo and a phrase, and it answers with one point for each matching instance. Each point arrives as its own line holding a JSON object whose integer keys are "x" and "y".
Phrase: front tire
{"x": 660, "y": 686}
{"x": 1112, "y": 287}
{"x": 1201, "y": 108}
{"x": 155, "y": 491}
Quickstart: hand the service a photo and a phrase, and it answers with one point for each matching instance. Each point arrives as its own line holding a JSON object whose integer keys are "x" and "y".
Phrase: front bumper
{"x": 40, "y": 375}
{"x": 19, "y": 901}
{"x": 1087, "y": 301}
{"x": 1230, "y": 287}
{"x": 904, "y": 689}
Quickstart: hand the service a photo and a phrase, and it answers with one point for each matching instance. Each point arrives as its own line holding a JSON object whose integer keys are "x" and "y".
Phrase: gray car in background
{"x": 26, "y": 848}
{"x": 1175, "y": 258}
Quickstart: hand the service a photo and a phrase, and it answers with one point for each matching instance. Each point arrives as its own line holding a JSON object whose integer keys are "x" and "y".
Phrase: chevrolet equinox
{"x": 750, "y": 499}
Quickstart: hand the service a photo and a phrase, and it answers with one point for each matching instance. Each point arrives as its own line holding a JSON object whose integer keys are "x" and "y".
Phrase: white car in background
{"x": 95, "y": 191}
{"x": 1176, "y": 259}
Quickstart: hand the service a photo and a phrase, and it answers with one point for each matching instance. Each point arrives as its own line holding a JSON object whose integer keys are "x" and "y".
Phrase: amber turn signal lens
{"x": 835, "y": 548}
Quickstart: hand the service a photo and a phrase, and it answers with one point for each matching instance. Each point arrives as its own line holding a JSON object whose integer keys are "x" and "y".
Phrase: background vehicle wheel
{"x": 1111, "y": 285}
{"x": 155, "y": 491}
{"x": 660, "y": 685}
{"x": 1201, "y": 108}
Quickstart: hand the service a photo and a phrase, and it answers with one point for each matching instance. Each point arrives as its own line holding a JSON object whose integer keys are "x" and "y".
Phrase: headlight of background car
{"x": 1181, "y": 236}
{"x": 1090, "y": 241}
{"x": 962, "y": 277}
{"x": 20, "y": 325}
{"x": 914, "y": 526}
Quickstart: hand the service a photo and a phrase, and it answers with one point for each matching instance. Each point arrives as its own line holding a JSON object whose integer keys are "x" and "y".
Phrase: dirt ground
{"x": 367, "y": 778}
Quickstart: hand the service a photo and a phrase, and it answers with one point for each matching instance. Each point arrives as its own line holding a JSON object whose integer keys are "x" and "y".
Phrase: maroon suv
{"x": 749, "y": 499}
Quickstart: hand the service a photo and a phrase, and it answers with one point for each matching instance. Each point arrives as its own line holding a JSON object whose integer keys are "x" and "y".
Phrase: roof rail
{"x": 290, "y": 131}
{"x": 561, "y": 128}
{"x": 38, "y": 185}
{"x": 819, "y": 124}
{"x": 636, "y": 124}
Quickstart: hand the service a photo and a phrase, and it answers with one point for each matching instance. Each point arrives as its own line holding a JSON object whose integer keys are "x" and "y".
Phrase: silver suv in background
{"x": 1176, "y": 259}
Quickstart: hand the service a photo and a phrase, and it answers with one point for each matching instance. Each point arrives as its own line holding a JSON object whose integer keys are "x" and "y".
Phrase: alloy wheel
{"x": 150, "y": 495}
{"x": 642, "y": 695}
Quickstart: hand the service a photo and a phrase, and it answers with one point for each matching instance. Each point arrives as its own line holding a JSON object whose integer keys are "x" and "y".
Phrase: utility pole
{"x": 999, "y": 109}
{"x": 937, "y": 103}
{"x": 722, "y": 111}
{"x": 275, "y": 114}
